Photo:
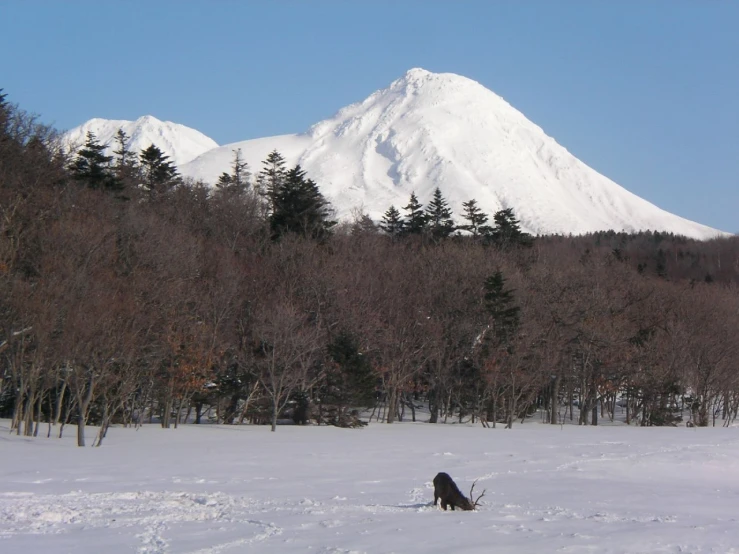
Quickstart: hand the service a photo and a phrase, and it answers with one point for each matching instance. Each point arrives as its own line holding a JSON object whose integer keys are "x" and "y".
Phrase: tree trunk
{"x": 571, "y": 397}
{"x": 83, "y": 404}
{"x": 81, "y": 428}
{"x": 103, "y": 426}
{"x": 412, "y": 407}
{"x": 17, "y": 411}
{"x": 249, "y": 396}
{"x": 511, "y": 410}
{"x": 392, "y": 401}
{"x": 434, "y": 405}
{"x": 38, "y": 415}
{"x": 51, "y": 411}
{"x": 178, "y": 413}
{"x": 554, "y": 401}
{"x": 67, "y": 412}
{"x": 28, "y": 414}
{"x": 167, "y": 411}
{"x": 59, "y": 402}
{"x": 703, "y": 411}
{"x": 274, "y": 415}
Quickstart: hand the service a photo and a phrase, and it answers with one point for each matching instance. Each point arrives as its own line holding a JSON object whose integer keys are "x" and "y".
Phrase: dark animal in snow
{"x": 446, "y": 490}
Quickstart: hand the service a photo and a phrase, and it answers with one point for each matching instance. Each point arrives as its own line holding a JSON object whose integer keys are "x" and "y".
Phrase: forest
{"x": 130, "y": 295}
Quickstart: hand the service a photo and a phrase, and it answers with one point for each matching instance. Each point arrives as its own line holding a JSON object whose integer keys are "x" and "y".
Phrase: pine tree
{"x": 238, "y": 181}
{"x": 123, "y": 154}
{"x": 240, "y": 172}
{"x": 391, "y": 222}
{"x": 125, "y": 164}
{"x": 351, "y": 381}
{"x": 499, "y": 305}
{"x": 159, "y": 174}
{"x": 93, "y": 168}
{"x": 224, "y": 182}
{"x": 477, "y": 219}
{"x": 4, "y": 114}
{"x": 439, "y": 217}
{"x": 299, "y": 207}
{"x": 271, "y": 179}
{"x": 507, "y": 231}
{"x": 363, "y": 224}
{"x": 415, "y": 220}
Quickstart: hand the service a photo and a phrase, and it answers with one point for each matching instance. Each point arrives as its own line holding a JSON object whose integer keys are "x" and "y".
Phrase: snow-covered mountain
{"x": 430, "y": 130}
{"x": 182, "y": 144}
{"x": 424, "y": 131}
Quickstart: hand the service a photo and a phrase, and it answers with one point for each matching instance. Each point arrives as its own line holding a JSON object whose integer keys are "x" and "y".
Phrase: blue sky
{"x": 647, "y": 93}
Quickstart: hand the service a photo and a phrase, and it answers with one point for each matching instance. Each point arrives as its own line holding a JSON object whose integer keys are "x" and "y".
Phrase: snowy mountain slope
{"x": 427, "y": 130}
{"x": 210, "y": 165}
{"x": 180, "y": 143}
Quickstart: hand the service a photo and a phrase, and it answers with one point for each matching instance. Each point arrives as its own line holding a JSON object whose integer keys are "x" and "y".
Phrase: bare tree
{"x": 285, "y": 342}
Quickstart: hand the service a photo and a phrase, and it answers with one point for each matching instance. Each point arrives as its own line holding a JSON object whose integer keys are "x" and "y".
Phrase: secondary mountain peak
{"x": 182, "y": 144}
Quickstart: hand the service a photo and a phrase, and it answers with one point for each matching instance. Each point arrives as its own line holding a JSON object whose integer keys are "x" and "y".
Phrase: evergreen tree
{"x": 499, "y": 303}
{"x": 123, "y": 154}
{"x": 125, "y": 164}
{"x": 238, "y": 181}
{"x": 661, "y": 263}
{"x": 507, "y": 231}
{"x": 4, "y": 114}
{"x": 93, "y": 168}
{"x": 477, "y": 219}
{"x": 391, "y": 222}
{"x": 224, "y": 182}
{"x": 299, "y": 207}
{"x": 363, "y": 224}
{"x": 439, "y": 217}
{"x": 351, "y": 381}
{"x": 240, "y": 172}
{"x": 159, "y": 174}
{"x": 271, "y": 179}
{"x": 415, "y": 220}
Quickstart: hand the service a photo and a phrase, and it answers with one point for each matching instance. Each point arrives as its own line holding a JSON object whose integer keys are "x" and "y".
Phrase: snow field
{"x": 209, "y": 489}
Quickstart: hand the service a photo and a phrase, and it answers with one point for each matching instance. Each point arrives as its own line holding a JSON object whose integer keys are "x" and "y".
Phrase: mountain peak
{"x": 182, "y": 144}
{"x": 418, "y": 78}
{"x": 417, "y": 74}
{"x": 149, "y": 119}
{"x": 429, "y": 130}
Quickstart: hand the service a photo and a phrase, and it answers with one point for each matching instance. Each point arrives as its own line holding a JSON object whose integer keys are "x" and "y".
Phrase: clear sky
{"x": 645, "y": 92}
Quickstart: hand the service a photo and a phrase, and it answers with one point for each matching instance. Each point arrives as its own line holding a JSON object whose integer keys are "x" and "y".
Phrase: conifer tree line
{"x": 130, "y": 294}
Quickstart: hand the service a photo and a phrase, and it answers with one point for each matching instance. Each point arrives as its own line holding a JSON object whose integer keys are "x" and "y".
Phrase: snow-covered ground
{"x": 212, "y": 489}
